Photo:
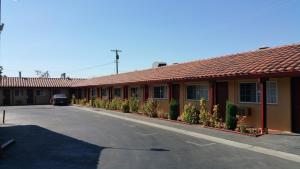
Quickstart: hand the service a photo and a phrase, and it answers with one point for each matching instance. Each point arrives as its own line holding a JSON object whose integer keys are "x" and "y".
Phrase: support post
{"x": 170, "y": 86}
{"x": 212, "y": 94}
{"x": 263, "y": 104}
{"x": 3, "y": 121}
{"x": 146, "y": 92}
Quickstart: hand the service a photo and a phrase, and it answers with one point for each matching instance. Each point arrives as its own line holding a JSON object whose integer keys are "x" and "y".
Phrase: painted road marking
{"x": 200, "y": 145}
{"x": 146, "y": 134}
{"x": 262, "y": 150}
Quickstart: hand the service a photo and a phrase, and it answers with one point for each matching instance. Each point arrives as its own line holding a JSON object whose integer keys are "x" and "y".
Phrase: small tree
{"x": 174, "y": 110}
{"x": 230, "y": 118}
{"x": 125, "y": 106}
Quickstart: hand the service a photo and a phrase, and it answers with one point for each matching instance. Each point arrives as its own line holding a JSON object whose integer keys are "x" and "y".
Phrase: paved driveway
{"x": 69, "y": 138}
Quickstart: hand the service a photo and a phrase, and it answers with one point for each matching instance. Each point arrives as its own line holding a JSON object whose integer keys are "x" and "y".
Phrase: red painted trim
{"x": 146, "y": 92}
{"x": 212, "y": 93}
{"x": 170, "y": 86}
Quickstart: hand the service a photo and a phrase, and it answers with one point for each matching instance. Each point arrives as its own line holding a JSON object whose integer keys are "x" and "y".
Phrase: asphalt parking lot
{"x": 66, "y": 137}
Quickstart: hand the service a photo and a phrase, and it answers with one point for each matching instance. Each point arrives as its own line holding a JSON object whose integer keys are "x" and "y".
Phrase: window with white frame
{"x": 160, "y": 92}
{"x": 249, "y": 92}
{"x": 271, "y": 92}
{"x": 117, "y": 92}
{"x": 196, "y": 92}
{"x": 103, "y": 92}
{"x": 134, "y": 92}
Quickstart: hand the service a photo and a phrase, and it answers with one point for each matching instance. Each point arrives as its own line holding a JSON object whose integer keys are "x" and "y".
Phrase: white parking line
{"x": 266, "y": 151}
{"x": 146, "y": 134}
{"x": 200, "y": 145}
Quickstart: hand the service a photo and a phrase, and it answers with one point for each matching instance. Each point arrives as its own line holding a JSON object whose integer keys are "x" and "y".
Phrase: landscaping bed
{"x": 233, "y": 123}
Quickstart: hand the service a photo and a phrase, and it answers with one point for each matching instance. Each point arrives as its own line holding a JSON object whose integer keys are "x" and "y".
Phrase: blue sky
{"x": 75, "y": 35}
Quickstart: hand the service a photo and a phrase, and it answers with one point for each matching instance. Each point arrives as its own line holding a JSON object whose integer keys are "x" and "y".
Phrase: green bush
{"x": 93, "y": 101}
{"x": 115, "y": 104}
{"x": 125, "y": 106}
{"x": 150, "y": 108}
{"x": 97, "y": 103}
{"x": 83, "y": 102}
{"x": 73, "y": 100}
{"x": 134, "y": 104}
{"x": 173, "y": 110}
{"x": 191, "y": 114}
{"x": 230, "y": 118}
{"x": 204, "y": 114}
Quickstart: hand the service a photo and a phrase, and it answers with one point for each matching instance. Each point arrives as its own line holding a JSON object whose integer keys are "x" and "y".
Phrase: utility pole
{"x": 117, "y": 59}
{"x": 1, "y": 29}
{"x": 1, "y": 24}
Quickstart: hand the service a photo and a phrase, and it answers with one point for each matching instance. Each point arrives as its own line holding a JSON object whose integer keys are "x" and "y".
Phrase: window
{"x": 160, "y": 92}
{"x": 249, "y": 92}
{"x": 117, "y": 92}
{"x": 103, "y": 92}
{"x": 93, "y": 92}
{"x": 134, "y": 92}
{"x": 40, "y": 93}
{"x": 18, "y": 92}
{"x": 271, "y": 92}
{"x": 196, "y": 92}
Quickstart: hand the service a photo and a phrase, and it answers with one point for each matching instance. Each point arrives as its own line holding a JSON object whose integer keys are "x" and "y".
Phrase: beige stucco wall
{"x": 278, "y": 115}
{"x": 163, "y": 104}
{"x": 183, "y": 95}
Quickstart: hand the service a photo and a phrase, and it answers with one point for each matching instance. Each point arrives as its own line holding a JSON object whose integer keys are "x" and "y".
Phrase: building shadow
{"x": 39, "y": 148}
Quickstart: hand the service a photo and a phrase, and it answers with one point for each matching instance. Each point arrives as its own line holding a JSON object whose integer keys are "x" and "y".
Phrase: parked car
{"x": 60, "y": 99}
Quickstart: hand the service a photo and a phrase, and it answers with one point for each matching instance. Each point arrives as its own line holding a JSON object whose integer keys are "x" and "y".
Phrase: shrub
{"x": 73, "y": 100}
{"x": 125, "y": 106}
{"x": 241, "y": 124}
{"x": 204, "y": 114}
{"x": 150, "y": 108}
{"x": 215, "y": 121}
{"x": 134, "y": 104}
{"x": 83, "y": 102}
{"x": 93, "y": 101}
{"x": 174, "y": 110}
{"x": 191, "y": 114}
{"x": 113, "y": 104}
{"x": 230, "y": 118}
{"x": 97, "y": 103}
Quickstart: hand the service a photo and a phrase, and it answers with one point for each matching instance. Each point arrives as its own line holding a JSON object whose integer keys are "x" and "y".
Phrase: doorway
{"x": 295, "y": 86}
{"x": 6, "y": 97}
{"x": 222, "y": 97}
{"x": 30, "y": 96}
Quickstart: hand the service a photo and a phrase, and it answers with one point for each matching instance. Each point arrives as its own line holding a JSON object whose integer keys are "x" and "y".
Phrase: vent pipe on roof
{"x": 158, "y": 64}
{"x": 20, "y": 74}
{"x": 264, "y": 47}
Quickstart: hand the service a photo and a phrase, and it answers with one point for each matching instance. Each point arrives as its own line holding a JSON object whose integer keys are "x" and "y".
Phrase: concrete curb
{"x": 257, "y": 149}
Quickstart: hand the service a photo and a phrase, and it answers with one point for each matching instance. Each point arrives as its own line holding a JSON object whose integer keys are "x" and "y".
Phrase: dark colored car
{"x": 60, "y": 99}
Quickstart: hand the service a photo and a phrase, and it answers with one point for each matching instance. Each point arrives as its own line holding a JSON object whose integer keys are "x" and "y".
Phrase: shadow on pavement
{"x": 40, "y": 148}
{"x": 37, "y": 147}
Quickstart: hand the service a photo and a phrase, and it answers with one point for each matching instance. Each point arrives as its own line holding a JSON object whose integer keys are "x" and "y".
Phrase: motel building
{"x": 32, "y": 91}
{"x": 264, "y": 84}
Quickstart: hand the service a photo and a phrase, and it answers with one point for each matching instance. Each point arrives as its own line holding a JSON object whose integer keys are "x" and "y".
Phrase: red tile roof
{"x": 37, "y": 82}
{"x": 264, "y": 62}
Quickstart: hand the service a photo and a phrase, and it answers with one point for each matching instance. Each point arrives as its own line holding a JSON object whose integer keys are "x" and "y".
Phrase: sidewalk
{"x": 289, "y": 143}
